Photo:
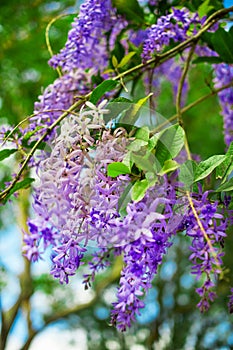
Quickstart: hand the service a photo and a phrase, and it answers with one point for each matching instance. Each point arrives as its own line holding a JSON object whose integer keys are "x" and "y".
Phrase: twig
{"x": 77, "y": 104}
{"x": 190, "y": 106}
{"x": 47, "y": 36}
{"x": 31, "y": 116}
{"x": 179, "y": 96}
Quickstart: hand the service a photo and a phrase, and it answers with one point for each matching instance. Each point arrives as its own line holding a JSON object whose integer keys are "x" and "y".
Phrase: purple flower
{"x": 149, "y": 220}
{"x": 56, "y": 99}
{"x": 207, "y": 239}
{"x": 86, "y": 46}
{"x": 67, "y": 259}
{"x": 223, "y": 76}
{"x": 175, "y": 26}
{"x": 230, "y": 303}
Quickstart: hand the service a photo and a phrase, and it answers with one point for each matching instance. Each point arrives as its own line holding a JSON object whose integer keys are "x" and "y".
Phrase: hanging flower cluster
{"x": 224, "y": 75}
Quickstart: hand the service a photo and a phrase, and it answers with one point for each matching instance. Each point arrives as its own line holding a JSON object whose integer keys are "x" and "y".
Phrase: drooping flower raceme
{"x": 68, "y": 200}
{"x": 149, "y": 224}
{"x": 207, "y": 234}
{"x": 224, "y": 75}
{"x": 174, "y": 26}
{"x": 230, "y": 303}
{"x": 86, "y": 46}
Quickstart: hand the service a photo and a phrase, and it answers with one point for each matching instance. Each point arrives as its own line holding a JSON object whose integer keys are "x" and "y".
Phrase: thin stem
{"x": 34, "y": 115}
{"x": 179, "y": 96}
{"x": 77, "y": 104}
{"x": 190, "y": 106}
{"x": 181, "y": 84}
{"x": 47, "y": 36}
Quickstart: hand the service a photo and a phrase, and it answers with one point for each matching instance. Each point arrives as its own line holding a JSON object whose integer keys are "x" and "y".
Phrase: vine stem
{"x": 31, "y": 116}
{"x": 77, "y": 104}
{"x": 49, "y": 47}
{"x": 179, "y": 96}
{"x": 191, "y": 105}
{"x": 157, "y": 60}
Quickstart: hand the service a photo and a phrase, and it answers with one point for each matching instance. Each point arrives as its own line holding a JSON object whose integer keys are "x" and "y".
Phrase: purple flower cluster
{"x": 86, "y": 44}
{"x": 207, "y": 236}
{"x": 223, "y": 76}
{"x": 75, "y": 199}
{"x": 153, "y": 2}
{"x": 67, "y": 259}
{"x": 230, "y": 303}
{"x": 148, "y": 223}
{"x": 174, "y": 26}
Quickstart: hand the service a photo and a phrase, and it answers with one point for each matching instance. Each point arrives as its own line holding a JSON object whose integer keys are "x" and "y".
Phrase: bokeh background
{"x": 40, "y": 313}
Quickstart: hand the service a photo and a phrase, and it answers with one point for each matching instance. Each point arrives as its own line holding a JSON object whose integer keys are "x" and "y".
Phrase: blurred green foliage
{"x": 23, "y": 55}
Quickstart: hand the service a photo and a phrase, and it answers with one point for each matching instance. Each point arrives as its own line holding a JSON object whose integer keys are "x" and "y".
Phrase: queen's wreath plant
{"x": 106, "y": 170}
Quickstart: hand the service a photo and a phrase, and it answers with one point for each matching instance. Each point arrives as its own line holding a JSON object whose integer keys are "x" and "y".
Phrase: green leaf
{"x": 208, "y": 59}
{"x": 116, "y": 107}
{"x": 122, "y": 100}
{"x": 127, "y": 160}
{"x": 205, "y": 8}
{"x": 101, "y": 89}
{"x": 227, "y": 186}
{"x": 124, "y": 200}
{"x": 114, "y": 61}
{"x": 143, "y": 133}
{"x": 186, "y": 174}
{"x": 136, "y": 145}
{"x": 5, "y": 153}
{"x": 206, "y": 167}
{"x": 226, "y": 167}
{"x": 132, "y": 114}
{"x": 169, "y": 165}
{"x": 153, "y": 141}
{"x": 139, "y": 190}
{"x": 126, "y": 59}
{"x": 119, "y": 50}
{"x": 19, "y": 185}
{"x": 117, "y": 168}
{"x": 130, "y": 9}
{"x": 221, "y": 41}
{"x": 145, "y": 162}
{"x": 170, "y": 143}
{"x": 151, "y": 178}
